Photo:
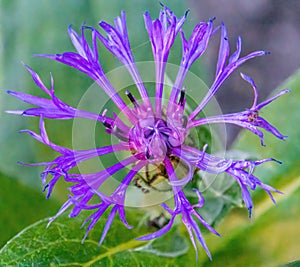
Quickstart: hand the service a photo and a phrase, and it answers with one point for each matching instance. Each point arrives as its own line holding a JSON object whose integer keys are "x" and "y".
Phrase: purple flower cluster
{"x": 154, "y": 132}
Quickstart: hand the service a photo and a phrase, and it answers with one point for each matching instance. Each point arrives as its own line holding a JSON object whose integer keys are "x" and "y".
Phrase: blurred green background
{"x": 32, "y": 26}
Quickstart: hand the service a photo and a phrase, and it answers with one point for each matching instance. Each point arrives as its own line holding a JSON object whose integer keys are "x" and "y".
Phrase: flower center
{"x": 154, "y": 137}
{"x": 150, "y": 137}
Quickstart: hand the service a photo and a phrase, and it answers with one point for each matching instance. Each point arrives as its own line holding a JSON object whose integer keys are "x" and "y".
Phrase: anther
{"x": 131, "y": 98}
{"x": 184, "y": 121}
{"x": 147, "y": 154}
{"x": 107, "y": 124}
{"x": 212, "y": 19}
{"x": 182, "y": 95}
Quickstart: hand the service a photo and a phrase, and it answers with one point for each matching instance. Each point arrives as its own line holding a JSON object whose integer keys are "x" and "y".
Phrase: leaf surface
{"x": 60, "y": 245}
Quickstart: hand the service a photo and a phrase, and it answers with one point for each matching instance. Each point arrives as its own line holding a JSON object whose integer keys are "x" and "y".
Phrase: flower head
{"x": 151, "y": 135}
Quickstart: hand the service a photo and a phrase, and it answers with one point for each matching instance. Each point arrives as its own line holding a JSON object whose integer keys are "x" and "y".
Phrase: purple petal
{"x": 95, "y": 180}
{"x": 201, "y": 199}
{"x": 267, "y": 102}
{"x": 268, "y": 127}
{"x": 221, "y": 78}
{"x": 108, "y": 224}
{"x": 192, "y": 49}
{"x": 77, "y": 42}
{"x": 190, "y": 231}
{"x": 250, "y": 80}
{"x": 235, "y": 56}
{"x": 246, "y": 197}
{"x": 186, "y": 179}
{"x": 63, "y": 208}
{"x": 121, "y": 212}
{"x": 94, "y": 219}
{"x": 192, "y": 225}
{"x": 223, "y": 51}
{"x": 166, "y": 207}
{"x": 199, "y": 217}
{"x": 34, "y": 100}
{"x": 36, "y": 78}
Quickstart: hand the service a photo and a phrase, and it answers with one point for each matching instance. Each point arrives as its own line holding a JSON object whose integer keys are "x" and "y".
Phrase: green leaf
{"x": 269, "y": 239}
{"x": 292, "y": 264}
{"x": 220, "y": 197}
{"x": 20, "y": 206}
{"x": 60, "y": 245}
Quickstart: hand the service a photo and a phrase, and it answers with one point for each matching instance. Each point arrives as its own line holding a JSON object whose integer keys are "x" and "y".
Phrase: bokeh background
{"x": 270, "y": 25}
{"x": 33, "y": 26}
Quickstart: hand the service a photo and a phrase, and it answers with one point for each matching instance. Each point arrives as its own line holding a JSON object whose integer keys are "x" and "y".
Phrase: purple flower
{"x": 152, "y": 135}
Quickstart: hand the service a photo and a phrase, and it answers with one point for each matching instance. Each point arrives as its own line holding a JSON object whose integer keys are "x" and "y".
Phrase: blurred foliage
{"x": 20, "y": 207}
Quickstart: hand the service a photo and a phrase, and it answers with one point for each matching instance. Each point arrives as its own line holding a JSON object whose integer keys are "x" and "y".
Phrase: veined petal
{"x": 268, "y": 101}
{"x": 222, "y": 76}
{"x": 246, "y": 197}
{"x": 197, "y": 43}
{"x": 117, "y": 42}
{"x": 52, "y": 108}
{"x": 90, "y": 65}
{"x": 235, "y": 56}
{"x": 191, "y": 224}
{"x": 223, "y": 51}
{"x": 95, "y": 180}
{"x": 162, "y": 33}
{"x": 63, "y": 208}
{"x": 107, "y": 225}
{"x": 186, "y": 179}
{"x": 191, "y": 50}
{"x": 36, "y": 78}
{"x": 94, "y": 219}
{"x": 77, "y": 41}
{"x": 30, "y": 99}
{"x": 121, "y": 212}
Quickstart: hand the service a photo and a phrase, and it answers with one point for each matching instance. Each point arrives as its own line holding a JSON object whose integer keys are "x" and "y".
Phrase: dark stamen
{"x": 186, "y": 13}
{"x": 45, "y": 187}
{"x": 107, "y": 124}
{"x": 184, "y": 121}
{"x": 182, "y": 95}
{"x": 148, "y": 156}
{"x": 131, "y": 98}
{"x": 212, "y": 19}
